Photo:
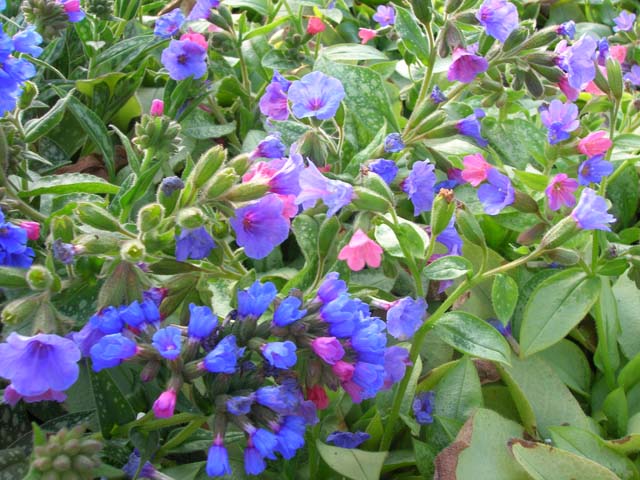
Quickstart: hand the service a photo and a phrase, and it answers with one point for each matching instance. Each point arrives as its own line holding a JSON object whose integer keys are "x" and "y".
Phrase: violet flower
{"x": 498, "y": 17}
{"x": 466, "y": 65}
{"x": 591, "y": 212}
{"x": 560, "y": 119}
{"x": 594, "y": 170}
{"x": 497, "y": 194}
{"x": 316, "y": 95}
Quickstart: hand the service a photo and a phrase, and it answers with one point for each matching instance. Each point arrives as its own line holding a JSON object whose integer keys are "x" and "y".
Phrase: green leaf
{"x": 504, "y": 297}
{"x": 352, "y": 463}
{"x": 448, "y": 268}
{"x": 111, "y": 405}
{"x": 39, "y": 127}
{"x": 616, "y": 408}
{"x": 68, "y": 183}
{"x": 14, "y": 463}
{"x": 626, "y": 294}
{"x": 203, "y": 126}
{"x": 607, "y": 356}
{"x": 513, "y": 140}
{"x": 352, "y": 51}
{"x": 543, "y": 462}
{"x": 469, "y": 334}
{"x": 259, "y": 6}
{"x": 13, "y": 278}
{"x": 413, "y": 38}
{"x": 570, "y": 363}
{"x": 557, "y": 305}
{"x": 459, "y": 392}
{"x": 623, "y": 193}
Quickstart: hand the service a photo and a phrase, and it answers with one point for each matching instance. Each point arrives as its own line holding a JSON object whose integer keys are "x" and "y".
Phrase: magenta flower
{"x": 591, "y": 212}
{"x": 366, "y": 35}
{"x": 316, "y": 95}
{"x": 329, "y": 349}
{"x": 466, "y": 65}
{"x": 73, "y": 10}
{"x": 497, "y": 194}
{"x": 560, "y": 191}
{"x": 385, "y": 15}
{"x": 261, "y": 226}
{"x": 596, "y": 143}
{"x": 498, "y": 17}
{"x": 475, "y": 169}
{"x": 419, "y": 186}
{"x": 157, "y": 108}
{"x": 32, "y": 229}
{"x": 314, "y": 186}
{"x": 361, "y": 250}
{"x": 185, "y": 58}
{"x": 560, "y": 119}
{"x": 165, "y": 404}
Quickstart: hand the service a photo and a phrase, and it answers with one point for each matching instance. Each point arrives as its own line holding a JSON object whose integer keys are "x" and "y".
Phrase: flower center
{"x": 182, "y": 59}
{"x": 315, "y": 104}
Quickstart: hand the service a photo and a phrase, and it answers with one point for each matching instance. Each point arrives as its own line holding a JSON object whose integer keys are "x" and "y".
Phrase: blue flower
{"x": 86, "y": 338}
{"x": 369, "y": 378}
{"x": 6, "y": 44}
{"x": 133, "y": 464}
{"x": 63, "y": 252}
{"x": 419, "y": 186}
{"x": 423, "y": 407}
{"x": 255, "y": 300}
{"x": 265, "y": 442}
{"x": 450, "y": 238}
{"x": 111, "y": 351}
{"x": 560, "y": 119}
{"x": 27, "y": 41}
{"x": 498, "y": 17}
{"x": 347, "y": 439}
{"x": 624, "y": 22}
{"x": 288, "y": 312}
{"x": 202, "y": 9}
{"x": 603, "y": 51}
{"x": 3, "y": 5}
{"x": 505, "y": 330}
{"x": 239, "y": 405}
{"x": 280, "y": 354}
{"x": 385, "y": 15}
{"x": 273, "y": 102}
{"x": 405, "y": 317}
{"x": 218, "y": 459}
{"x": 73, "y": 10}
{"x": 194, "y": 243}
{"x": 254, "y": 463}
{"x": 169, "y": 23}
{"x": 170, "y": 185}
{"x": 369, "y": 340}
{"x": 331, "y": 288}
{"x": 437, "y": 96}
{"x": 342, "y": 315}
{"x": 396, "y": 360}
{"x": 470, "y": 127}
{"x": 633, "y": 76}
{"x": 591, "y": 212}
{"x": 281, "y": 399}
{"x": 132, "y": 315}
{"x": 314, "y": 186}
{"x": 316, "y": 95}
{"x": 497, "y": 194}
{"x": 168, "y": 341}
{"x": 387, "y": 169}
{"x": 290, "y": 436}
{"x": 393, "y": 143}
{"x": 578, "y": 62}
{"x": 108, "y": 320}
{"x": 261, "y": 226}
{"x": 568, "y": 29}
{"x": 202, "y": 321}
{"x": 13, "y": 245}
{"x": 594, "y": 170}
{"x": 270, "y": 147}
{"x": 224, "y": 358}
{"x": 184, "y": 58}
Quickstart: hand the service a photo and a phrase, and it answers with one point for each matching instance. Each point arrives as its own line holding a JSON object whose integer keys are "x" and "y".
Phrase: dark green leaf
{"x": 69, "y": 183}
{"x": 448, "y": 268}
{"x": 352, "y": 463}
{"x": 504, "y": 296}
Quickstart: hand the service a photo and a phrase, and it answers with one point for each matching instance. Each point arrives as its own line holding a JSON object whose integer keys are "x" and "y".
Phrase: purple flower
{"x": 133, "y": 464}
{"x": 497, "y": 194}
{"x": 86, "y": 338}
{"x": 169, "y": 23}
{"x": 202, "y": 321}
{"x": 466, "y": 65}
{"x": 437, "y": 96}
{"x": 280, "y": 354}
{"x": 419, "y": 186}
{"x": 423, "y": 407}
{"x": 111, "y": 351}
{"x": 167, "y": 341}
{"x": 450, "y": 238}
{"x": 591, "y": 212}
{"x": 387, "y": 169}
{"x": 329, "y": 349}
{"x": 13, "y": 245}
{"x": 27, "y": 41}
{"x": 396, "y": 360}
{"x": 347, "y": 439}
{"x": 369, "y": 340}
{"x": 288, "y": 312}
{"x": 578, "y": 62}
{"x": 567, "y": 28}
{"x": 255, "y": 300}
{"x": 331, "y": 288}
{"x": 254, "y": 463}
{"x": 261, "y": 226}
{"x": 155, "y": 295}
{"x": 194, "y": 243}
{"x": 72, "y": 9}
{"x": 603, "y": 51}
{"x": 202, "y": 9}
{"x": 405, "y": 317}
{"x": 281, "y": 399}
{"x": 498, "y": 17}
{"x": 560, "y": 119}
{"x": 35, "y": 365}
{"x": 316, "y": 95}
{"x": 341, "y": 314}
{"x": 594, "y": 169}
{"x": 385, "y": 15}
{"x": 270, "y": 147}
{"x": 273, "y": 102}
{"x": 184, "y": 58}
{"x": 108, "y": 320}
{"x": 170, "y": 185}
{"x": 505, "y": 330}
{"x": 224, "y": 357}
{"x": 624, "y": 22}
{"x": 393, "y": 143}
{"x": 218, "y": 459}
{"x": 239, "y": 405}
{"x": 290, "y": 435}
{"x": 264, "y": 441}
{"x": 561, "y": 191}
{"x": 634, "y": 75}
{"x": 314, "y": 186}
{"x": 470, "y": 127}
{"x": 132, "y": 315}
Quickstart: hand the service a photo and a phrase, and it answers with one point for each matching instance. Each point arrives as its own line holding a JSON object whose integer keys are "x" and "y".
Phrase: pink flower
{"x": 318, "y": 396}
{"x": 12, "y": 397}
{"x": 32, "y": 229}
{"x": 195, "y": 38}
{"x": 315, "y": 25}
{"x": 475, "y": 169}
{"x": 360, "y": 250}
{"x": 157, "y": 108}
{"x": 328, "y": 349}
{"x": 343, "y": 370}
{"x": 366, "y": 34}
{"x": 596, "y": 143}
{"x": 569, "y": 92}
{"x": 618, "y": 52}
{"x": 560, "y": 191}
{"x": 165, "y": 404}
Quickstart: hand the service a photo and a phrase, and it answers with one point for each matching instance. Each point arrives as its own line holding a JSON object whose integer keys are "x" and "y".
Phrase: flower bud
{"x": 246, "y": 191}
{"x": 62, "y": 228}
{"x": 159, "y": 134}
{"x": 532, "y": 234}
{"x": 444, "y": 206}
{"x": 379, "y": 186}
{"x": 157, "y": 108}
{"x": 525, "y": 203}
{"x": 515, "y": 39}
{"x": 563, "y": 256}
{"x": 601, "y": 81}
{"x": 132, "y": 251}
{"x": 614, "y": 77}
{"x": 19, "y": 310}
{"x": 541, "y": 38}
{"x": 315, "y": 25}
{"x": 423, "y": 9}
{"x": 450, "y": 6}
{"x": 240, "y": 163}
{"x": 221, "y": 182}
{"x": 150, "y": 216}
{"x": 365, "y": 199}
{"x": 560, "y": 233}
{"x": 39, "y": 278}
{"x": 97, "y": 244}
{"x": 96, "y": 217}
{"x": 29, "y": 93}
{"x": 190, "y": 218}
{"x": 207, "y": 165}
{"x": 32, "y": 229}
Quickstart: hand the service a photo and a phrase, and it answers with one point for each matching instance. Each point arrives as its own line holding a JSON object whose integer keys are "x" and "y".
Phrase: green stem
{"x": 180, "y": 438}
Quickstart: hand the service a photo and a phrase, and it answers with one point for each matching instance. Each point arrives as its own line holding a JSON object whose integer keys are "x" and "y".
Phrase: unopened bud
{"x": 96, "y": 217}
{"x": 29, "y": 93}
{"x": 150, "y": 216}
{"x": 19, "y": 310}
{"x": 560, "y": 233}
{"x": 563, "y": 256}
{"x": 470, "y": 228}
{"x": 97, "y": 244}
{"x": 208, "y": 165}
{"x": 444, "y": 206}
{"x": 365, "y": 199}
{"x": 132, "y": 251}
{"x": 525, "y": 203}
{"x": 190, "y": 218}
{"x": 221, "y": 182}
{"x": 61, "y": 463}
{"x": 157, "y": 108}
{"x": 246, "y": 191}
{"x": 62, "y": 228}
{"x": 39, "y": 278}
{"x": 614, "y": 77}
